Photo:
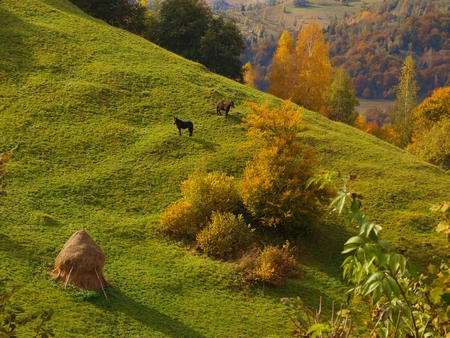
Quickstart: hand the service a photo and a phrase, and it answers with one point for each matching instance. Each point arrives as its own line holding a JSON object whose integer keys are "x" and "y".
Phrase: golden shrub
{"x": 271, "y": 265}
{"x": 181, "y": 219}
{"x": 211, "y": 192}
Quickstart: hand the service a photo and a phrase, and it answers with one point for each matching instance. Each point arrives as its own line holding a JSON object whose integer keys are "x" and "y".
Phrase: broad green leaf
{"x": 355, "y": 240}
{"x": 394, "y": 263}
{"x": 350, "y": 248}
{"x": 393, "y": 285}
{"x": 372, "y": 286}
{"x": 375, "y": 277}
{"x": 412, "y": 270}
{"x": 383, "y": 259}
{"x": 385, "y": 245}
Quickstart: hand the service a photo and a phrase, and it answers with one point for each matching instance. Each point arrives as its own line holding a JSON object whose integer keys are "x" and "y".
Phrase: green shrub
{"x": 181, "y": 219}
{"x": 225, "y": 237}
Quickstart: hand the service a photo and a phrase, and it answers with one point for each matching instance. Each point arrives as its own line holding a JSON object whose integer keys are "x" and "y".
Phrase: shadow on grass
{"x": 151, "y": 318}
{"x": 207, "y": 145}
{"x": 14, "y": 249}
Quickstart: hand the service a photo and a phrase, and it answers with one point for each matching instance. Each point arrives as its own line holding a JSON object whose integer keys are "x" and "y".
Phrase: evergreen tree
{"x": 400, "y": 116}
{"x": 341, "y": 99}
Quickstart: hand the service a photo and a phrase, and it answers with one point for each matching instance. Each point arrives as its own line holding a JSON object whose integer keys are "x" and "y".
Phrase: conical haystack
{"x": 80, "y": 263}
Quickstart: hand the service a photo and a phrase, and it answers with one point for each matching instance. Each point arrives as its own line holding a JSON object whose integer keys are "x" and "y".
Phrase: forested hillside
{"x": 88, "y": 110}
{"x": 370, "y": 40}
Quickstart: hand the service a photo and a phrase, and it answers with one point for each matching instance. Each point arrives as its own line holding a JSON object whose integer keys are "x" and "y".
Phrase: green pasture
{"x": 90, "y": 109}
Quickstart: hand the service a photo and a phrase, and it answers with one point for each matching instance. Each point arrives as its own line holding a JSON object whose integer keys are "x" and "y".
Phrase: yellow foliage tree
{"x": 249, "y": 75}
{"x": 431, "y": 137}
{"x": 303, "y": 73}
{"x": 281, "y": 77}
{"x": 273, "y": 187}
{"x": 313, "y": 68}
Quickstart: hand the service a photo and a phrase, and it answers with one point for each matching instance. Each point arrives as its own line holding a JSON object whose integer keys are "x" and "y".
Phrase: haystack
{"x": 81, "y": 263}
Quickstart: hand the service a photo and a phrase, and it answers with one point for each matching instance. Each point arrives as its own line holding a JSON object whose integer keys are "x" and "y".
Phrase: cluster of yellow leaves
{"x": 273, "y": 187}
{"x": 202, "y": 195}
{"x": 431, "y": 138}
{"x": 303, "y": 73}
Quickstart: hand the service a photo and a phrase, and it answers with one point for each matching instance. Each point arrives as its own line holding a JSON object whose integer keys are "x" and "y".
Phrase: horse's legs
{"x": 179, "y": 131}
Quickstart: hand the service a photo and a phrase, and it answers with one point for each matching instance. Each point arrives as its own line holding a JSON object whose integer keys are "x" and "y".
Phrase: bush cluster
{"x": 226, "y": 236}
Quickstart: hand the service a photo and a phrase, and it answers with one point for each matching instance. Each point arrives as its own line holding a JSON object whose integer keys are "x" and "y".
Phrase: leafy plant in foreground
{"x": 400, "y": 303}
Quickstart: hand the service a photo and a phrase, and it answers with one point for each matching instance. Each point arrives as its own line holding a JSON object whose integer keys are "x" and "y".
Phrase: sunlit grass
{"x": 91, "y": 109}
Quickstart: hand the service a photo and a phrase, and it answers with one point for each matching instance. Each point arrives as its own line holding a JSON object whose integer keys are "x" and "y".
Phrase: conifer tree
{"x": 341, "y": 99}
{"x": 400, "y": 116}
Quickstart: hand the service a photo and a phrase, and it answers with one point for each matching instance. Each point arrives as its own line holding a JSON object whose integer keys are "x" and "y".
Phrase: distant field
{"x": 319, "y": 10}
{"x": 365, "y": 104}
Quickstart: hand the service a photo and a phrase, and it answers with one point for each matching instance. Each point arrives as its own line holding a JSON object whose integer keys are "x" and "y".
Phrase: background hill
{"x": 370, "y": 39}
{"x": 90, "y": 108}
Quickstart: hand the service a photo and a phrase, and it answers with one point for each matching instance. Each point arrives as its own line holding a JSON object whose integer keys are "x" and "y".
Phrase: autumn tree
{"x": 430, "y": 140}
{"x": 273, "y": 187}
{"x": 400, "y": 116}
{"x": 249, "y": 75}
{"x": 341, "y": 99}
{"x": 313, "y": 68}
{"x": 281, "y": 76}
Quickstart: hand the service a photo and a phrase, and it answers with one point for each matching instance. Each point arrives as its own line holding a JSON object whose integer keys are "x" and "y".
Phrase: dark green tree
{"x": 341, "y": 98}
{"x": 130, "y": 16}
{"x": 179, "y": 25}
{"x": 221, "y": 47}
{"x": 188, "y": 28}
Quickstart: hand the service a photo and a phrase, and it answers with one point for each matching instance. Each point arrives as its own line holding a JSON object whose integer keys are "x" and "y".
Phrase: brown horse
{"x": 224, "y": 106}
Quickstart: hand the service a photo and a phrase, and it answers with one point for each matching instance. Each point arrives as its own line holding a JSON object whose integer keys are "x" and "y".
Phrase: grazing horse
{"x": 183, "y": 125}
{"x": 224, "y": 106}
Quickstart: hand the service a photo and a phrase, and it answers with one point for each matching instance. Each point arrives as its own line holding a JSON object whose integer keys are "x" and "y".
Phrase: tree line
{"x": 185, "y": 27}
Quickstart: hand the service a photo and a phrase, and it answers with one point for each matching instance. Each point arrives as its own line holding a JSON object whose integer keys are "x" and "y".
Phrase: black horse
{"x": 224, "y": 106}
{"x": 183, "y": 125}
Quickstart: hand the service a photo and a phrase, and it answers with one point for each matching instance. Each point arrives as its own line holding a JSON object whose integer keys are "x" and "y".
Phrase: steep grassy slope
{"x": 91, "y": 109}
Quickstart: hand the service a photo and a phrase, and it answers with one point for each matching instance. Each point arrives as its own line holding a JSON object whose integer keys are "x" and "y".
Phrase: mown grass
{"x": 90, "y": 108}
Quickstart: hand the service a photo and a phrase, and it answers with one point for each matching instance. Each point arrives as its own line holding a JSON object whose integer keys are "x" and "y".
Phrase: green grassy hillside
{"x": 90, "y": 108}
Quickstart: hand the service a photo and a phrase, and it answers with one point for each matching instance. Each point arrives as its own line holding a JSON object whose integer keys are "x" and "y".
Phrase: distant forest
{"x": 373, "y": 44}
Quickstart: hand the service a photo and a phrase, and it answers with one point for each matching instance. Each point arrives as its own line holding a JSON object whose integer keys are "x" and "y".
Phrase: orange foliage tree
{"x": 303, "y": 73}
{"x": 281, "y": 77}
{"x": 313, "y": 68}
{"x": 430, "y": 140}
{"x": 273, "y": 187}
